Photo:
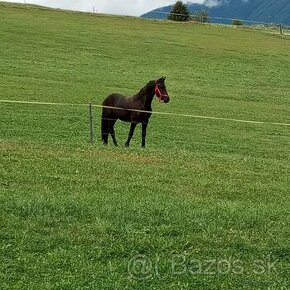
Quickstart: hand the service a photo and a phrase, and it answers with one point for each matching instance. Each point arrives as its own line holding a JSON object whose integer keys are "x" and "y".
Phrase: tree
{"x": 179, "y": 12}
{"x": 200, "y": 16}
{"x": 237, "y": 22}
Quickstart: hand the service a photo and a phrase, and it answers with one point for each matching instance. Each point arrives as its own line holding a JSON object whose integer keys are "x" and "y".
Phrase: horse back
{"x": 117, "y": 106}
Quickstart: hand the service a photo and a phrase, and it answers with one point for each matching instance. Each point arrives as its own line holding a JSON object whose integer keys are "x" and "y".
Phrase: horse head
{"x": 160, "y": 90}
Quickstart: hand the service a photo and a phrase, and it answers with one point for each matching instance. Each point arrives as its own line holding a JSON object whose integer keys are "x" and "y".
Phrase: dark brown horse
{"x": 135, "y": 109}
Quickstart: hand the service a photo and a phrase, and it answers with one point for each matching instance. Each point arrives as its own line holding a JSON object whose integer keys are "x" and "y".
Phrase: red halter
{"x": 158, "y": 93}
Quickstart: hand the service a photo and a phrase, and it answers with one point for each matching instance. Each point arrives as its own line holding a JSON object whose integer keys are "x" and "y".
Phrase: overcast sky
{"x": 122, "y": 7}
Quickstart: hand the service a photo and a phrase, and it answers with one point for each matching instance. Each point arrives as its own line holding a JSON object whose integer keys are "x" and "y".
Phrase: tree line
{"x": 180, "y": 12}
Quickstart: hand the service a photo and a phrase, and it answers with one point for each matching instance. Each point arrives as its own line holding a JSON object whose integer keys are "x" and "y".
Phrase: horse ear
{"x": 162, "y": 79}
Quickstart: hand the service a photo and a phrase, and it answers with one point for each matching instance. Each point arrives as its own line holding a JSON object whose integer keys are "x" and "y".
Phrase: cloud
{"x": 212, "y": 3}
{"x": 120, "y": 7}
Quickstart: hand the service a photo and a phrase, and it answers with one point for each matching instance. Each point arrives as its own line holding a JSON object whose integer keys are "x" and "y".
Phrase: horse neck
{"x": 146, "y": 94}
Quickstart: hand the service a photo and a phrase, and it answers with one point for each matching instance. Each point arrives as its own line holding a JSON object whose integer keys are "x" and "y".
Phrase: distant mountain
{"x": 269, "y": 11}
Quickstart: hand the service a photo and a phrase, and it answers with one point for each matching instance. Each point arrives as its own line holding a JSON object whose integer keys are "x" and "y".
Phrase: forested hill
{"x": 270, "y": 11}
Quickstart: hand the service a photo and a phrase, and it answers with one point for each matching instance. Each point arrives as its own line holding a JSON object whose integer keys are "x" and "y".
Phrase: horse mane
{"x": 145, "y": 91}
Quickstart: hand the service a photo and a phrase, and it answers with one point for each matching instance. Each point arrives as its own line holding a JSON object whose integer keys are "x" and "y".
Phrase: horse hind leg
{"x": 104, "y": 129}
{"x": 112, "y": 131}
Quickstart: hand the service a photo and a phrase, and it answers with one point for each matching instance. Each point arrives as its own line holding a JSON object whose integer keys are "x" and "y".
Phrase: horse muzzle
{"x": 165, "y": 99}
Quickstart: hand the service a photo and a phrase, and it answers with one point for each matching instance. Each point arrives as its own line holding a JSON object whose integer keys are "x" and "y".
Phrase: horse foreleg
{"x": 131, "y": 133}
{"x": 144, "y": 129}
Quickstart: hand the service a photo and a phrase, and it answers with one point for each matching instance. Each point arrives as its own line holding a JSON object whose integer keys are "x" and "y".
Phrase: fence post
{"x": 91, "y": 123}
{"x": 281, "y": 30}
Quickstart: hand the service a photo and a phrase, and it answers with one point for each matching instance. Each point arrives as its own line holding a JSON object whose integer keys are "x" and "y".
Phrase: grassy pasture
{"x": 207, "y": 202}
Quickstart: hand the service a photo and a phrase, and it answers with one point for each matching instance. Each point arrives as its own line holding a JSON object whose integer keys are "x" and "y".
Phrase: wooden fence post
{"x": 91, "y": 123}
{"x": 281, "y": 29}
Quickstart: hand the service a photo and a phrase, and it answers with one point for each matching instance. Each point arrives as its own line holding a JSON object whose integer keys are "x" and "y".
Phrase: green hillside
{"x": 204, "y": 206}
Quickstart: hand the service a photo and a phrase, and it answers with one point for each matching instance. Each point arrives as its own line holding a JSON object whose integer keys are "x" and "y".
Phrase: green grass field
{"x": 205, "y": 206}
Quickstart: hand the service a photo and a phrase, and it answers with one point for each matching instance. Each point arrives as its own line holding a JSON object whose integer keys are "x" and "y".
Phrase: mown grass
{"x": 207, "y": 202}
